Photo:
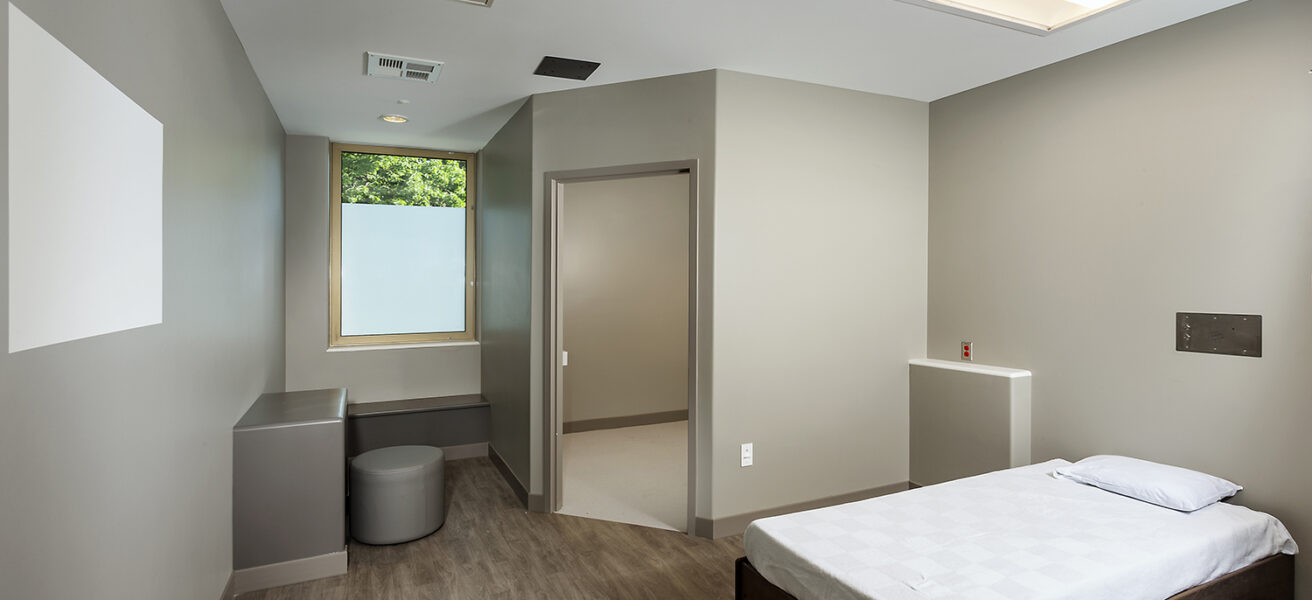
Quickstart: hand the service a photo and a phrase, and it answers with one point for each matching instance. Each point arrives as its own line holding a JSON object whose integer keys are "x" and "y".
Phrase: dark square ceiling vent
{"x": 566, "y": 68}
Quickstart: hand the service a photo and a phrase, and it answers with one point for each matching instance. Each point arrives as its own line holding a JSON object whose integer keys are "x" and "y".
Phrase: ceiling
{"x": 309, "y": 54}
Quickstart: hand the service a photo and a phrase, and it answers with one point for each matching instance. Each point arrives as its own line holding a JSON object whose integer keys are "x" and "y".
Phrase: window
{"x": 402, "y": 246}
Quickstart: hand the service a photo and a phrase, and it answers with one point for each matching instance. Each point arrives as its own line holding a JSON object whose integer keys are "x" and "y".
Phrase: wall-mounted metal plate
{"x": 1240, "y": 335}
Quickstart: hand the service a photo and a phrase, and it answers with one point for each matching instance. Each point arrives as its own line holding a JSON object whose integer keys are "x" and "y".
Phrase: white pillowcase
{"x": 1163, "y": 485}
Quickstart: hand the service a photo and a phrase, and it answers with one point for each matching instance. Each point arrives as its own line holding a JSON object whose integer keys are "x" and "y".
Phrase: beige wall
{"x": 368, "y": 375}
{"x": 504, "y": 236}
{"x": 653, "y": 120}
{"x": 116, "y": 450}
{"x": 851, "y": 264}
{"x": 1076, "y": 208}
{"x": 820, "y": 279}
{"x": 624, "y": 296}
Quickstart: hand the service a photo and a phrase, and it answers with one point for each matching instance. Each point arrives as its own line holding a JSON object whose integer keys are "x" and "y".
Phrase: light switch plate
{"x": 747, "y": 455}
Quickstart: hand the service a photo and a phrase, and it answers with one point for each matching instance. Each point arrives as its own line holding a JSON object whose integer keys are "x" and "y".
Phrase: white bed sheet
{"x": 1018, "y": 534}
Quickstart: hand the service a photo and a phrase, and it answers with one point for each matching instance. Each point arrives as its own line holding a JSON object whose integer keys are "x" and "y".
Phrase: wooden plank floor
{"x": 490, "y": 547}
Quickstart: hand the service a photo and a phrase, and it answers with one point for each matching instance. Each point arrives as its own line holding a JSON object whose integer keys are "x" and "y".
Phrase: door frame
{"x": 552, "y": 375}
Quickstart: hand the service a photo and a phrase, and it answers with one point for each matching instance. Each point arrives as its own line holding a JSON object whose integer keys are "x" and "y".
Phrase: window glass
{"x": 402, "y": 229}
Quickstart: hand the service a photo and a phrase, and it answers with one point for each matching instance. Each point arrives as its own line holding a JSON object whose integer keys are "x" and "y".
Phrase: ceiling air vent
{"x": 400, "y": 67}
{"x": 566, "y": 68}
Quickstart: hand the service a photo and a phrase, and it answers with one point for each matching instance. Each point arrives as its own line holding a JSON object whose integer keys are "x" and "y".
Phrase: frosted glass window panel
{"x": 86, "y": 170}
{"x": 403, "y": 269}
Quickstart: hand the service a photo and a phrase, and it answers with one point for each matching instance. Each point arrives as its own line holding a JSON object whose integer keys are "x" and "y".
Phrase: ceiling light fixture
{"x": 394, "y": 118}
{"x": 1039, "y": 17}
{"x": 1092, "y": 3}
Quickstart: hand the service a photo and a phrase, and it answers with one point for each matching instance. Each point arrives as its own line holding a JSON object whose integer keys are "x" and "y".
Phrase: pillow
{"x": 1163, "y": 485}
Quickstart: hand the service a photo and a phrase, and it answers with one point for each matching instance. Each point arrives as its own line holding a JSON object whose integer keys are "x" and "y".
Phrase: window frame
{"x": 335, "y": 337}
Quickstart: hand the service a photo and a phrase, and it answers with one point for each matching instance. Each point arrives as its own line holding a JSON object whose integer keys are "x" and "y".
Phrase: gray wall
{"x": 504, "y": 235}
{"x": 820, "y": 284}
{"x": 624, "y": 291}
{"x": 1076, "y": 208}
{"x": 967, "y": 420}
{"x": 116, "y": 451}
{"x": 840, "y": 289}
{"x": 653, "y": 120}
{"x": 370, "y": 375}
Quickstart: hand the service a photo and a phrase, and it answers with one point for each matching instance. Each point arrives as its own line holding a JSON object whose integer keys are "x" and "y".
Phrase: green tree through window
{"x": 402, "y": 180}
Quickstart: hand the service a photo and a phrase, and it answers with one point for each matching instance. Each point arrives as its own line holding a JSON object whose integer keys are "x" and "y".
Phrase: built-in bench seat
{"x": 457, "y": 424}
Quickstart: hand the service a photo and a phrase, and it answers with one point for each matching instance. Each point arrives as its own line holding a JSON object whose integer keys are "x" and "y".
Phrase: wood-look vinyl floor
{"x": 490, "y": 547}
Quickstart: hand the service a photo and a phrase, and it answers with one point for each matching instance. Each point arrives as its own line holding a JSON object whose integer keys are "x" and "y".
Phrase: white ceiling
{"x": 309, "y": 54}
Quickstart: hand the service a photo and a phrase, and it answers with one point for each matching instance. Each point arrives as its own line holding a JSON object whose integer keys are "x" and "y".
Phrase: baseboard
{"x": 537, "y": 503}
{"x": 669, "y": 416}
{"x": 703, "y": 528}
{"x": 515, "y": 485}
{"x": 477, "y": 450}
{"x": 289, "y": 572}
{"x": 230, "y": 590}
{"x": 736, "y": 524}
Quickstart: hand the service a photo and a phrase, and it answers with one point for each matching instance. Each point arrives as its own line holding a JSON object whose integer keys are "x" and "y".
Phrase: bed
{"x": 1018, "y": 534}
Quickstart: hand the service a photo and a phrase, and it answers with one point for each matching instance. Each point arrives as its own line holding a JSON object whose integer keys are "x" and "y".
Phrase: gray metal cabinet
{"x": 289, "y": 489}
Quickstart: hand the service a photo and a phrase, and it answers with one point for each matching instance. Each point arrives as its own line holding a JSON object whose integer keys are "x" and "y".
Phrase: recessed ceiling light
{"x": 1039, "y": 17}
{"x": 394, "y": 118}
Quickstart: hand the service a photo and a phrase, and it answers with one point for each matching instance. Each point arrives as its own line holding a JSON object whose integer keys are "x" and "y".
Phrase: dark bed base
{"x": 749, "y": 584}
{"x": 1271, "y": 578}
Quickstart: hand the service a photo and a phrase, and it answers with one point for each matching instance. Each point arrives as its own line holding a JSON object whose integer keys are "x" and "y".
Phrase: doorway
{"x": 620, "y": 384}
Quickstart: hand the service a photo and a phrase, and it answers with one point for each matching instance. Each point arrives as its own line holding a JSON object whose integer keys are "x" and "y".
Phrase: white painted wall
{"x": 1075, "y": 209}
{"x": 652, "y": 120}
{"x": 821, "y": 228}
{"x": 116, "y": 450}
{"x": 826, "y": 214}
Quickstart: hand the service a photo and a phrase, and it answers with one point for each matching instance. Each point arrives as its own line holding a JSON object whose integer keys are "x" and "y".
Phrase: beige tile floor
{"x": 636, "y": 475}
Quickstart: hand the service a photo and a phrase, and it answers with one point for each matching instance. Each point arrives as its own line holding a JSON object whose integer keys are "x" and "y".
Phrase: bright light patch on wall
{"x": 85, "y": 198}
{"x": 1032, "y": 16}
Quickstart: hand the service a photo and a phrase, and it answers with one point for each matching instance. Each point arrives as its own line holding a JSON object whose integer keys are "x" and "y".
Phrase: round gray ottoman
{"x": 397, "y": 494}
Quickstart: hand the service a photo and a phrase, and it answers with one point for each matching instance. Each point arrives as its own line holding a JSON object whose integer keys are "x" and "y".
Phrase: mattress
{"x": 1018, "y": 534}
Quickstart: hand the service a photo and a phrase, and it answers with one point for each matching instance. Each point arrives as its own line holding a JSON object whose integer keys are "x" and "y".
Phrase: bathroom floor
{"x": 636, "y": 475}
